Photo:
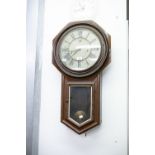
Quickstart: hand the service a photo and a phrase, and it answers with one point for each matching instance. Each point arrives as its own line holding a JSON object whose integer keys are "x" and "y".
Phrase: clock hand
{"x": 75, "y": 51}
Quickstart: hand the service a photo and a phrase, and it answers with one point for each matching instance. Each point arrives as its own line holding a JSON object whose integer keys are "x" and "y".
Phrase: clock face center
{"x": 79, "y": 49}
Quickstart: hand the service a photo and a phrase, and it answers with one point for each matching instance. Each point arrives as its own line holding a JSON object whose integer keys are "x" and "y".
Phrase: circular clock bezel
{"x": 72, "y": 29}
{"x": 105, "y": 48}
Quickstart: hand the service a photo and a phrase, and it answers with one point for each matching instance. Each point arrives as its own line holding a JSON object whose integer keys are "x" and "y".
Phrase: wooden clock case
{"x": 89, "y": 78}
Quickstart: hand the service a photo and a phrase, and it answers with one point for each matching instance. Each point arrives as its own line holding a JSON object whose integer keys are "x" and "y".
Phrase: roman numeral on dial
{"x": 80, "y": 33}
{"x": 71, "y": 62}
{"x": 65, "y": 50}
{"x": 93, "y": 40}
{"x": 87, "y": 35}
{"x": 72, "y": 35}
{"x": 67, "y": 56}
{"x": 87, "y": 62}
{"x": 79, "y": 63}
{"x": 67, "y": 42}
{"x": 92, "y": 55}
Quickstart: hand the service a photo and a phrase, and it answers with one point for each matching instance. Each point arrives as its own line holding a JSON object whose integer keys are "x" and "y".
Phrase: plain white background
{"x": 111, "y": 135}
{"x": 13, "y": 87}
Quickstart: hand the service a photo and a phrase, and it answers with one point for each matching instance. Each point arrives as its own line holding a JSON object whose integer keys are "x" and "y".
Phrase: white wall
{"x": 110, "y": 138}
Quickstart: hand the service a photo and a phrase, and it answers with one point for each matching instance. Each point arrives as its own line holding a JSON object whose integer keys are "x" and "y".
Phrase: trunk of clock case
{"x": 93, "y": 81}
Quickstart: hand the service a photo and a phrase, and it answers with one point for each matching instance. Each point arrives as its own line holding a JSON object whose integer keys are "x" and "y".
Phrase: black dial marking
{"x": 93, "y": 40}
{"x": 65, "y": 50}
{"x": 79, "y": 63}
{"x": 87, "y": 62}
{"x": 91, "y": 55}
{"x": 80, "y": 33}
{"x": 67, "y": 56}
{"x": 87, "y": 35}
{"x": 72, "y": 35}
{"x": 67, "y": 42}
{"x": 95, "y": 49}
{"x": 71, "y": 62}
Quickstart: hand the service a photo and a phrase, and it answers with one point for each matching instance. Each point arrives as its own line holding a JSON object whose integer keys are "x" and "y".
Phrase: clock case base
{"x": 94, "y": 83}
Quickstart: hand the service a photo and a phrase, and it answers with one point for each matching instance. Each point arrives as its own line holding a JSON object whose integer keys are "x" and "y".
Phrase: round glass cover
{"x": 80, "y": 49}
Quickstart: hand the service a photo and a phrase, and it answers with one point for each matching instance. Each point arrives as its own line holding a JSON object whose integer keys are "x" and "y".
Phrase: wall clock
{"x": 81, "y": 51}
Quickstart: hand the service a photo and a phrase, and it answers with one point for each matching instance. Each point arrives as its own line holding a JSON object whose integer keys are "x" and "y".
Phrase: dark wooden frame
{"x": 90, "y": 76}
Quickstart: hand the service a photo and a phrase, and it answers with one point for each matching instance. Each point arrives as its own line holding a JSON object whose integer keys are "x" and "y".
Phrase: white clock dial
{"x": 80, "y": 49}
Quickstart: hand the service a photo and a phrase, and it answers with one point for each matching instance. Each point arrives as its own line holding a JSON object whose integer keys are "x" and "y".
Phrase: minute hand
{"x": 75, "y": 51}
